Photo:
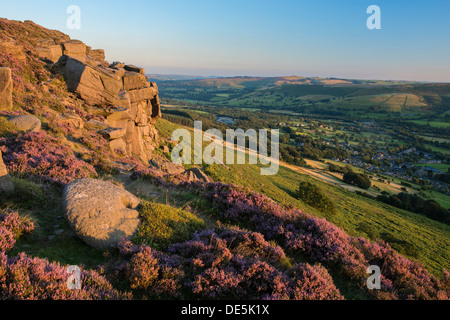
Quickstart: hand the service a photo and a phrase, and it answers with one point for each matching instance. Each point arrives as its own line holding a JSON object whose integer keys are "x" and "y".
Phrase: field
{"x": 435, "y": 124}
{"x": 441, "y": 166}
{"x": 387, "y": 102}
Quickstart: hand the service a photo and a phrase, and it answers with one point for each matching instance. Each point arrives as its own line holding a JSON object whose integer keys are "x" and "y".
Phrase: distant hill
{"x": 313, "y": 94}
{"x": 249, "y": 81}
{"x": 174, "y": 77}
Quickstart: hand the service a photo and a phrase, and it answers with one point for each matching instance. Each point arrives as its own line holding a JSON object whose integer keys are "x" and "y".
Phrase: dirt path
{"x": 327, "y": 177}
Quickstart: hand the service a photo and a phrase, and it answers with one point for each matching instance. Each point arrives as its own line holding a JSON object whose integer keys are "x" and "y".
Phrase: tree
{"x": 313, "y": 196}
{"x": 360, "y": 180}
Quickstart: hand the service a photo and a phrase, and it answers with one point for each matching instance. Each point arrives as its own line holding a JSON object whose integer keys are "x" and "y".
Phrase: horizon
{"x": 325, "y": 39}
{"x": 200, "y": 77}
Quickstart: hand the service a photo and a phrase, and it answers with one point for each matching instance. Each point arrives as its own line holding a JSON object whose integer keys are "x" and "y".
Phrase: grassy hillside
{"x": 411, "y": 234}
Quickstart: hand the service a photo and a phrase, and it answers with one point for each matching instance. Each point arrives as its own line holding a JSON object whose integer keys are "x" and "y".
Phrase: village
{"x": 366, "y": 145}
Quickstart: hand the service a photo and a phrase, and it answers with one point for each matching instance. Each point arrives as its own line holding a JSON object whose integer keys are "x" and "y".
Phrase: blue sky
{"x": 258, "y": 37}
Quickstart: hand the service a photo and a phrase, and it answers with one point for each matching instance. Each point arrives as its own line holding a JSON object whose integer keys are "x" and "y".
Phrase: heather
{"x": 29, "y": 73}
{"x": 156, "y": 177}
{"x": 224, "y": 263}
{"x": 12, "y": 226}
{"x": 100, "y": 155}
{"x": 403, "y": 278}
{"x": 320, "y": 241}
{"x": 412, "y": 235}
{"x": 43, "y": 157}
{"x": 26, "y": 278}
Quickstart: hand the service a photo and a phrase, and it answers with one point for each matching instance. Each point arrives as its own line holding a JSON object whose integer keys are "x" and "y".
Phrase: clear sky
{"x": 258, "y": 37}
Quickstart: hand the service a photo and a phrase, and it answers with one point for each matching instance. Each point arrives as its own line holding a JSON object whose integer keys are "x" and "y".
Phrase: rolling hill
{"x": 330, "y": 96}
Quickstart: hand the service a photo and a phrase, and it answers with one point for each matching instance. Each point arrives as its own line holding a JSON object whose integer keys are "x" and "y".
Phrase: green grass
{"x": 7, "y": 128}
{"x": 163, "y": 225}
{"x": 435, "y": 124}
{"x": 437, "y": 149}
{"x": 165, "y": 128}
{"x": 431, "y": 138}
{"x": 442, "y": 199}
{"x": 440, "y": 166}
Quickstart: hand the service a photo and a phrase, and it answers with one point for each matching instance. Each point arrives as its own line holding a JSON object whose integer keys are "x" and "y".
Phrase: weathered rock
{"x": 75, "y": 49}
{"x": 162, "y": 164}
{"x": 118, "y": 72}
{"x": 6, "y": 184}
{"x": 156, "y": 107}
{"x": 138, "y": 95}
{"x": 113, "y": 133}
{"x": 28, "y": 123}
{"x": 151, "y": 131}
{"x": 141, "y": 116}
{"x": 99, "y": 212}
{"x": 165, "y": 149}
{"x": 118, "y": 145}
{"x": 157, "y": 162}
{"x": 120, "y": 93}
{"x": 96, "y": 124}
{"x": 92, "y": 63}
{"x": 117, "y": 65}
{"x": 45, "y": 42}
{"x": 6, "y": 87}
{"x": 118, "y": 117}
{"x": 94, "y": 85}
{"x": 154, "y": 85}
{"x": 97, "y": 54}
{"x": 71, "y": 120}
{"x": 133, "y": 80}
{"x": 197, "y": 174}
{"x": 124, "y": 100}
{"x": 51, "y": 53}
{"x": 172, "y": 168}
{"x": 133, "y": 68}
{"x": 16, "y": 50}
{"x": 136, "y": 107}
{"x": 135, "y": 141}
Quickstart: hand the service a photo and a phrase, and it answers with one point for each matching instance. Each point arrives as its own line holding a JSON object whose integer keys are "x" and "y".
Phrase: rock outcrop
{"x": 166, "y": 167}
{"x": 6, "y": 87}
{"x": 100, "y": 213}
{"x": 6, "y": 185}
{"x": 52, "y": 52}
{"x": 26, "y": 123}
{"x": 196, "y": 174}
{"x": 119, "y": 92}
